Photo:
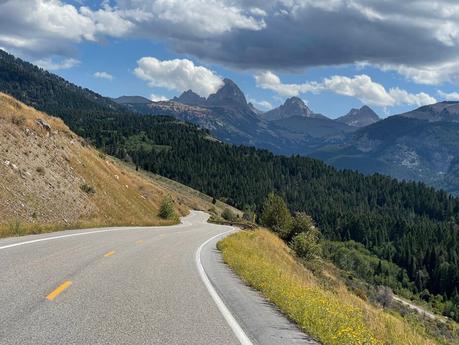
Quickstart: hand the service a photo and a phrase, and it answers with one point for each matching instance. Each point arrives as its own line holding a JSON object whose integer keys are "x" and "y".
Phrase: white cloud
{"x": 103, "y": 75}
{"x": 451, "y": 96}
{"x": 158, "y": 98}
{"x": 270, "y": 81}
{"x": 178, "y": 74}
{"x": 359, "y": 86}
{"x": 189, "y": 18}
{"x": 432, "y": 74}
{"x": 51, "y": 27}
{"x": 262, "y": 105}
{"x": 53, "y": 65}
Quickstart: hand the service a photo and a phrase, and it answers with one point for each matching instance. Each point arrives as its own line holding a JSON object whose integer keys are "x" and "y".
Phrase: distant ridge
{"x": 359, "y": 117}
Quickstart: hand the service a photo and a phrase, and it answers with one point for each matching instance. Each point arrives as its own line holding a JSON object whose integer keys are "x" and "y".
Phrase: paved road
{"x": 131, "y": 286}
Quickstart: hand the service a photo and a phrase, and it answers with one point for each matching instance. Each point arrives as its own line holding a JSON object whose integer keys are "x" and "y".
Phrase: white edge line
{"x": 234, "y": 325}
{"x": 91, "y": 232}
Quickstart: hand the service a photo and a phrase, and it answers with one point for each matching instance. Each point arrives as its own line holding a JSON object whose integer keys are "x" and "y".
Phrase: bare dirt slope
{"x": 51, "y": 178}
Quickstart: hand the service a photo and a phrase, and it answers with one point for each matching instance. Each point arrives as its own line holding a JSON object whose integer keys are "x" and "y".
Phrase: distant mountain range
{"x": 421, "y": 145}
{"x": 292, "y": 128}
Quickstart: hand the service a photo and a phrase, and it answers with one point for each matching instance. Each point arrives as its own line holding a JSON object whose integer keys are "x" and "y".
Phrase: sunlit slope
{"x": 50, "y": 178}
{"x": 323, "y": 308}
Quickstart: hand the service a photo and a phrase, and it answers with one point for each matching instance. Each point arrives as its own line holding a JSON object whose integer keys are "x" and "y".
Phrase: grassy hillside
{"x": 321, "y": 305}
{"x": 52, "y": 179}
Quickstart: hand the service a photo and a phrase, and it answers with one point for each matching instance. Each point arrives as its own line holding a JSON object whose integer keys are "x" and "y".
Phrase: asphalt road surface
{"x": 138, "y": 285}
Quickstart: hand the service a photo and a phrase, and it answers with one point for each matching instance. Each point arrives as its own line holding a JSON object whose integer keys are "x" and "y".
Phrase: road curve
{"x": 139, "y": 285}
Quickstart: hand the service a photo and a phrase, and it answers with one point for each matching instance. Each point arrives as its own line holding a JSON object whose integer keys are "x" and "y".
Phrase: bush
{"x": 306, "y": 244}
{"x": 41, "y": 170}
{"x": 229, "y": 215}
{"x": 88, "y": 189}
{"x": 276, "y": 216}
{"x": 302, "y": 223}
{"x": 167, "y": 210}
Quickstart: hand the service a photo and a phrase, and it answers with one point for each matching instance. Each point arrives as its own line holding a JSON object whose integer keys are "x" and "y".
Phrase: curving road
{"x": 141, "y": 285}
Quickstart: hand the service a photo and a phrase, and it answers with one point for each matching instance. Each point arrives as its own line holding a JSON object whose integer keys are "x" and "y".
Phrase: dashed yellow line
{"x": 110, "y": 253}
{"x": 64, "y": 286}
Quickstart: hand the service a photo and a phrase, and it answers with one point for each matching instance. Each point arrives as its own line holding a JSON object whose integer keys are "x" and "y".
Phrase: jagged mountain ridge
{"x": 293, "y": 106}
{"x": 297, "y": 130}
{"x": 362, "y": 117}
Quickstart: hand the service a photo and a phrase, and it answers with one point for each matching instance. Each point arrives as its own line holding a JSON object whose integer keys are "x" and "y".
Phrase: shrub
{"x": 166, "y": 210}
{"x": 276, "y": 216}
{"x": 306, "y": 244}
{"x": 302, "y": 223}
{"x": 88, "y": 189}
{"x": 229, "y": 215}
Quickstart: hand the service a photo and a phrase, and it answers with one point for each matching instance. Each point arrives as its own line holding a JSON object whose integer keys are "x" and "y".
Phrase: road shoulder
{"x": 260, "y": 319}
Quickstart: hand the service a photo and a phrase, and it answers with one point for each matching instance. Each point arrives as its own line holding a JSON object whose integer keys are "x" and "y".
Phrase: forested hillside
{"x": 410, "y": 224}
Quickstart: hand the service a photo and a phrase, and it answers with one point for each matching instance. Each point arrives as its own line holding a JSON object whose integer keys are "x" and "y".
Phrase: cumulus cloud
{"x": 103, "y": 75}
{"x": 190, "y": 19}
{"x": 449, "y": 96}
{"x": 158, "y": 98}
{"x": 51, "y": 64}
{"x": 51, "y": 27}
{"x": 433, "y": 74}
{"x": 178, "y": 74}
{"x": 359, "y": 86}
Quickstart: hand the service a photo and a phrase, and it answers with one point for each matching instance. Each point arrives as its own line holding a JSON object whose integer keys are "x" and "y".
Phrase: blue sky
{"x": 334, "y": 54}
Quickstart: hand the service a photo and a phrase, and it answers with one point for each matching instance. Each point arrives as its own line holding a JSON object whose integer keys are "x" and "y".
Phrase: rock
{"x": 44, "y": 124}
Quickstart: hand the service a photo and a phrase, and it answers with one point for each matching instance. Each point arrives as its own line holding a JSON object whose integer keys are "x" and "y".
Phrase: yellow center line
{"x": 59, "y": 290}
{"x": 110, "y": 253}
{"x": 139, "y": 242}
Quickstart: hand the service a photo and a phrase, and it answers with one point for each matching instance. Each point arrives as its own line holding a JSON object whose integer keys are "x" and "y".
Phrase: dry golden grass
{"x": 334, "y": 316}
{"x": 46, "y": 178}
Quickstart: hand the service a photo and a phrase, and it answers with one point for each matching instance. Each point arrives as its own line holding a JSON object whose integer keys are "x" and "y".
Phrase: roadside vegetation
{"x": 167, "y": 209}
{"x": 327, "y": 311}
{"x": 350, "y": 303}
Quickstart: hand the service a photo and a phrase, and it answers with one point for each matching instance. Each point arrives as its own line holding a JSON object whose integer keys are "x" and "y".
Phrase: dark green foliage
{"x": 167, "y": 210}
{"x": 276, "y": 216}
{"x": 403, "y": 223}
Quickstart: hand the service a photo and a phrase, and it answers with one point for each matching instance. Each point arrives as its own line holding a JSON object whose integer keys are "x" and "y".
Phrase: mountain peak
{"x": 293, "y": 106}
{"x": 359, "y": 117}
{"x": 228, "y": 95}
{"x": 189, "y": 97}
